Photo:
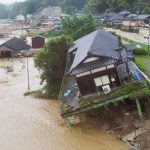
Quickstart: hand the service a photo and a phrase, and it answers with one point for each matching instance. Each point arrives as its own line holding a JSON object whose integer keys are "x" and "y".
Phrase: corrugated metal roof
{"x": 98, "y": 43}
{"x": 16, "y": 44}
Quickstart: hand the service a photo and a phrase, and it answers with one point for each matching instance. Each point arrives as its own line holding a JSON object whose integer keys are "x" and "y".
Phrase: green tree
{"x": 146, "y": 10}
{"x": 52, "y": 61}
{"x": 70, "y": 10}
{"x": 77, "y": 27}
{"x": 95, "y": 6}
{"x": 3, "y": 11}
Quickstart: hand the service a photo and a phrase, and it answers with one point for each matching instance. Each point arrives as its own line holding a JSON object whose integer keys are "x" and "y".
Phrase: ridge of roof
{"x": 98, "y": 43}
{"x": 13, "y": 44}
{"x": 83, "y": 45}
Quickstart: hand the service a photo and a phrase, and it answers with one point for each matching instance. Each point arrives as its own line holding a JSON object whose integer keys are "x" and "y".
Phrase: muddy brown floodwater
{"x": 27, "y": 123}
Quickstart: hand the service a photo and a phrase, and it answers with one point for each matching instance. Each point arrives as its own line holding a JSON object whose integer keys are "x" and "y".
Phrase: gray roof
{"x": 98, "y": 43}
{"x": 112, "y": 17}
{"x": 143, "y": 17}
{"x": 115, "y": 16}
{"x": 16, "y": 44}
{"x": 92, "y": 65}
{"x": 132, "y": 16}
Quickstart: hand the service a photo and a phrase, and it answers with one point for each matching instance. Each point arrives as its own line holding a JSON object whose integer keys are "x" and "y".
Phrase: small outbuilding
{"x": 13, "y": 47}
{"x": 38, "y": 42}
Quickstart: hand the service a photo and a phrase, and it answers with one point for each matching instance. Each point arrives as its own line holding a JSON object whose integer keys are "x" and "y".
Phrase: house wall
{"x": 87, "y": 85}
{"x": 146, "y": 21}
{"x": 38, "y": 42}
{"x": 7, "y": 52}
{"x": 133, "y": 23}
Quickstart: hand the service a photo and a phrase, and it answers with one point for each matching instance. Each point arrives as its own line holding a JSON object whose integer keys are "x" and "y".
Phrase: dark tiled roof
{"x": 91, "y": 65}
{"x": 111, "y": 17}
{"x": 114, "y": 16}
{"x": 143, "y": 17}
{"x": 97, "y": 43}
{"x": 16, "y": 44}
{"x": 132, "y": 16}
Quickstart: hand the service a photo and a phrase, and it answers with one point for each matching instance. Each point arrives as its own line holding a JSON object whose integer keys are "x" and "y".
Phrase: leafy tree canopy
{"x": 71, "y": 6}
{"x": 77, "y": 27}
{"x": 52, "y": 61}
{"x": 101, "y": 6}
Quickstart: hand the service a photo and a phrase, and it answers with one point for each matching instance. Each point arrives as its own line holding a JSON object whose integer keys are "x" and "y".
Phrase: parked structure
{"x": 38, "y": 42}
{"x": 13, "y": 47}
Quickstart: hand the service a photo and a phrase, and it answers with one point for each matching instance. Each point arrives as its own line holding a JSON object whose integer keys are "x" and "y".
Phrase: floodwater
{"x": 27, "y": 123}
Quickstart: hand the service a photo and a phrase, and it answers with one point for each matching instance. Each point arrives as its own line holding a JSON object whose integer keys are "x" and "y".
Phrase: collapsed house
{"x": 100, "y": 74}
{"x": 13, "y": 47}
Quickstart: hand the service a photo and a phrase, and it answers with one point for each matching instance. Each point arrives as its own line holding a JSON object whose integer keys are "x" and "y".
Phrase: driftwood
{"x": 114, "y": 129}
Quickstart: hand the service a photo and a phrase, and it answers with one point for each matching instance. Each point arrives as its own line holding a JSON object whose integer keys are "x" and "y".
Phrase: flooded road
{"x": 34, "y": 124}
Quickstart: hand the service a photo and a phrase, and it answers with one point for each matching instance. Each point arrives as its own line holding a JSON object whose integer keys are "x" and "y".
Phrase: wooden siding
{"x": 38, "y": 42}
{"x": 87, "y": 85}
{"x": 7, "y": 52}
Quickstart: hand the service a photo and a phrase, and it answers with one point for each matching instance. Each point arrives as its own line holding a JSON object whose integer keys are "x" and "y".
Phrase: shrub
{"x": 140, "y": 51}
{"x": 117, "y": 26}
{"x": 52, "y": 61}
{"x": 23, "y": 37}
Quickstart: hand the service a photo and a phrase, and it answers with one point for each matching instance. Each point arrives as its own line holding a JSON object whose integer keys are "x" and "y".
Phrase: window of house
{"x": 101, "y": 80}
{"x": 98, "y": 81}
{"x": 105, "y": 79}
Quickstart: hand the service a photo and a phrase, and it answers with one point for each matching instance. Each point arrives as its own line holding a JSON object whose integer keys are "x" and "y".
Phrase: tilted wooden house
{"x": 102, "y": 73}
{"x": 96, "y": 63}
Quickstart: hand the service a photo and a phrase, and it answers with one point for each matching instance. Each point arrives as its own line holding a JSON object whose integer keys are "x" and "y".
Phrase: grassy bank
{"x": 142, "y": 59}
{"x": 142, "y": 45}
{"x": 143, "y": 62}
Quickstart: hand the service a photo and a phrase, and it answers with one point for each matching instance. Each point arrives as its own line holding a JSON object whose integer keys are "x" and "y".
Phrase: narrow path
{"x": 133, "y": 36}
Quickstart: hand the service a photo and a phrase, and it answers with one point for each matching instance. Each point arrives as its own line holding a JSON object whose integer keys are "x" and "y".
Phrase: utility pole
{"x": 28, "y": 75}
{"x": 149, "y": 38}
{"x": 22, "y": 28}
